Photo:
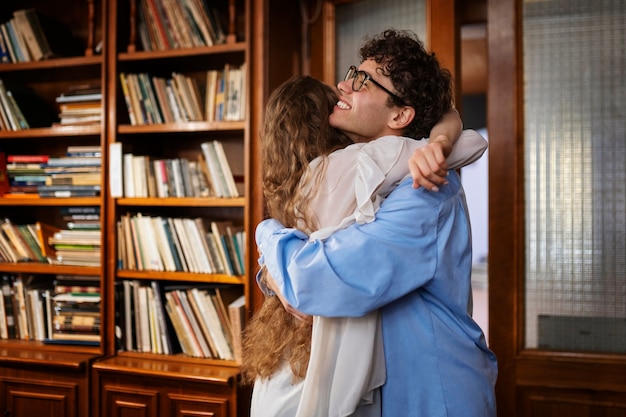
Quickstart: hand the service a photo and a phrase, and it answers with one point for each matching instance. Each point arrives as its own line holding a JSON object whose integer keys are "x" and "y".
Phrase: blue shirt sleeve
{"x": 363, "y": 267}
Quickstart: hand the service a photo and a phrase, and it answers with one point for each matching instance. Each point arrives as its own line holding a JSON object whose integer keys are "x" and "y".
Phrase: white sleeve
{"x": 467, "y": 149}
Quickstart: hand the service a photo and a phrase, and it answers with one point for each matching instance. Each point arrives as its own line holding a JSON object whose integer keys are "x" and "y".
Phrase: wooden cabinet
{"x": 131, "y": 387}
{"x": 42, "y": 383}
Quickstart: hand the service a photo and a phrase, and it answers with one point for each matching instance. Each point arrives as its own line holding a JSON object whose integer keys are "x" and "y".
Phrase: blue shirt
{"x": 414, "y": 263}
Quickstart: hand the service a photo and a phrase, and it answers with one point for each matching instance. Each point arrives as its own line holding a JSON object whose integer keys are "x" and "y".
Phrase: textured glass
{"x": 575, "y": 174}
{"x": 356, "y": 20}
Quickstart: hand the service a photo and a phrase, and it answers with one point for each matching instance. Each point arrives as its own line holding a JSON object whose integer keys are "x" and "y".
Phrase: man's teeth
{"x": 343, "y": 105}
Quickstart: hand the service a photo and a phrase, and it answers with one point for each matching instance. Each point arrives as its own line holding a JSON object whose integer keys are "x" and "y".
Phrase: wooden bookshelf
{"x": 134, "y": 374}
{"x": 71, "y": 380}
{"x": 39, "y": 378}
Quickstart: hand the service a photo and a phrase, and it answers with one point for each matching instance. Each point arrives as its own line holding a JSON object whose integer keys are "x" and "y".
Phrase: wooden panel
{"x": 505, "y": 196}
{"x": 128, "y": 401}
{"x": 28, "y": 398}
{"x": 194, "y": 406}
{"x": 545, "y": 402}
{"x": 130, "y": 386}
{"x": 443, "y": 38}
{"x": 474, "y": 60}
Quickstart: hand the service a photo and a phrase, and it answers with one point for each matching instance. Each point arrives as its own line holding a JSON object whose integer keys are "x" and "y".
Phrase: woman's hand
{"x": 269, "y": 281}
{"x": 428, "y": 165}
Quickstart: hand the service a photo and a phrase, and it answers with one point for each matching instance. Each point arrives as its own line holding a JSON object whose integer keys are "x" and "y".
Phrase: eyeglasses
{"x": 360, "y": 77}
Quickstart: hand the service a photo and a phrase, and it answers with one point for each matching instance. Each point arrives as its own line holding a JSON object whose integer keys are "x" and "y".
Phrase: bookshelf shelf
{"x": 202, "y": 126}
{"x": 17, "y": 352}
{"x": 50, "y": 202}
{"x": 42, "y": 268}
{"x": 182, "y": 202}
{"x": 182, "y": 277}
{"x": 223, "y": 373}
{"x": 46, "y": 133}
{"x": 68, "y": 62}
{"x": 211, "y": 370}
{"x": 202, "y": 51}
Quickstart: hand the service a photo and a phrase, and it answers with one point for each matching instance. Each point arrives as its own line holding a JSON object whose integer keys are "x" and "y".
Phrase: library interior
{"x": 131, "y": 186}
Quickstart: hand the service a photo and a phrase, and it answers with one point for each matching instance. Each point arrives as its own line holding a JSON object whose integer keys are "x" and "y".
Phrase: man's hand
{"x": 269, "y": 281}
{"x": 428, "y": 165}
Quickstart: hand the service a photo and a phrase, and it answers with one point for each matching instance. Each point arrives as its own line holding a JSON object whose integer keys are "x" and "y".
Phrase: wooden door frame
{"x": 506, "y": 217}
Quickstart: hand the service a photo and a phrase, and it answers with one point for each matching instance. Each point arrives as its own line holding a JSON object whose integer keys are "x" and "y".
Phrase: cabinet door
{"x": 194, "y": 406}
{"x": 129, "y": 402}
{"x": 27, "y": 398}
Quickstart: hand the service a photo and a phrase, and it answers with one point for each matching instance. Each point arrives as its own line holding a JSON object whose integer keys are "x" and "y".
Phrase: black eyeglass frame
{"x": 353, "y": 72}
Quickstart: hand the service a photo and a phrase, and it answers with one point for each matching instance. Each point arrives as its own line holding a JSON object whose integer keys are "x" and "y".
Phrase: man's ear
{"x": 403, "y": 117}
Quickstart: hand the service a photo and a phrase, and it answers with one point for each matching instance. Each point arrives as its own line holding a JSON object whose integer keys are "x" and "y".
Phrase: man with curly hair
{"x": 413, "y": 262}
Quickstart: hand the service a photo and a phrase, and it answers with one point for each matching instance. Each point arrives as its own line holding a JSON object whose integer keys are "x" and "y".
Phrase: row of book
{"x": 51, "y": 309}
{"x": 203, "y": 321}
{"x": 176, "y": 177}
{"x": 144, "y": 176}
{"x": 153, "y": 99}
{"x": 166, "y": 24}
{"x": 78, "y": 244}
{"x": 78, "y": 173}
{"x": 155, "y": 243}
{"x": 29, "y": 36}
{"x": 23, "y": 243}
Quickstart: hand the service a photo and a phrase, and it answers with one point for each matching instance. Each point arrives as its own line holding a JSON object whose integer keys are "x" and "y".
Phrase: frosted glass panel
{"x": 575, "y": 174}
{"x": 359, "y": 19}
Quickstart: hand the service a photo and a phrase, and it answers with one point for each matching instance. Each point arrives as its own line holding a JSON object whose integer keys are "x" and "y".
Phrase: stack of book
{"x": 81, "y": 218}
{"x": 201, "y": 321}
{"x": 80, "y": 105}
{"x": 25, "y": 174}
{"x": 76, "y": 310}
{"x": 79, "y": 242}
{"x": 156, "y": 243}
{"x": 78, "y": 173}
{"x": 80, "y": 167}
{"x": 76, "y": 247}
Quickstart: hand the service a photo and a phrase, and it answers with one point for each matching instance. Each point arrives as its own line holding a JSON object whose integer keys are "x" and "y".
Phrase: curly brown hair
{"x": 416, "y": 75}
{"x": 294, "y": 132}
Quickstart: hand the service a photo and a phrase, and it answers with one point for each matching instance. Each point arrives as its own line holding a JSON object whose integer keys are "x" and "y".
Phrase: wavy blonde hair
{"x": 295, "y": 131}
